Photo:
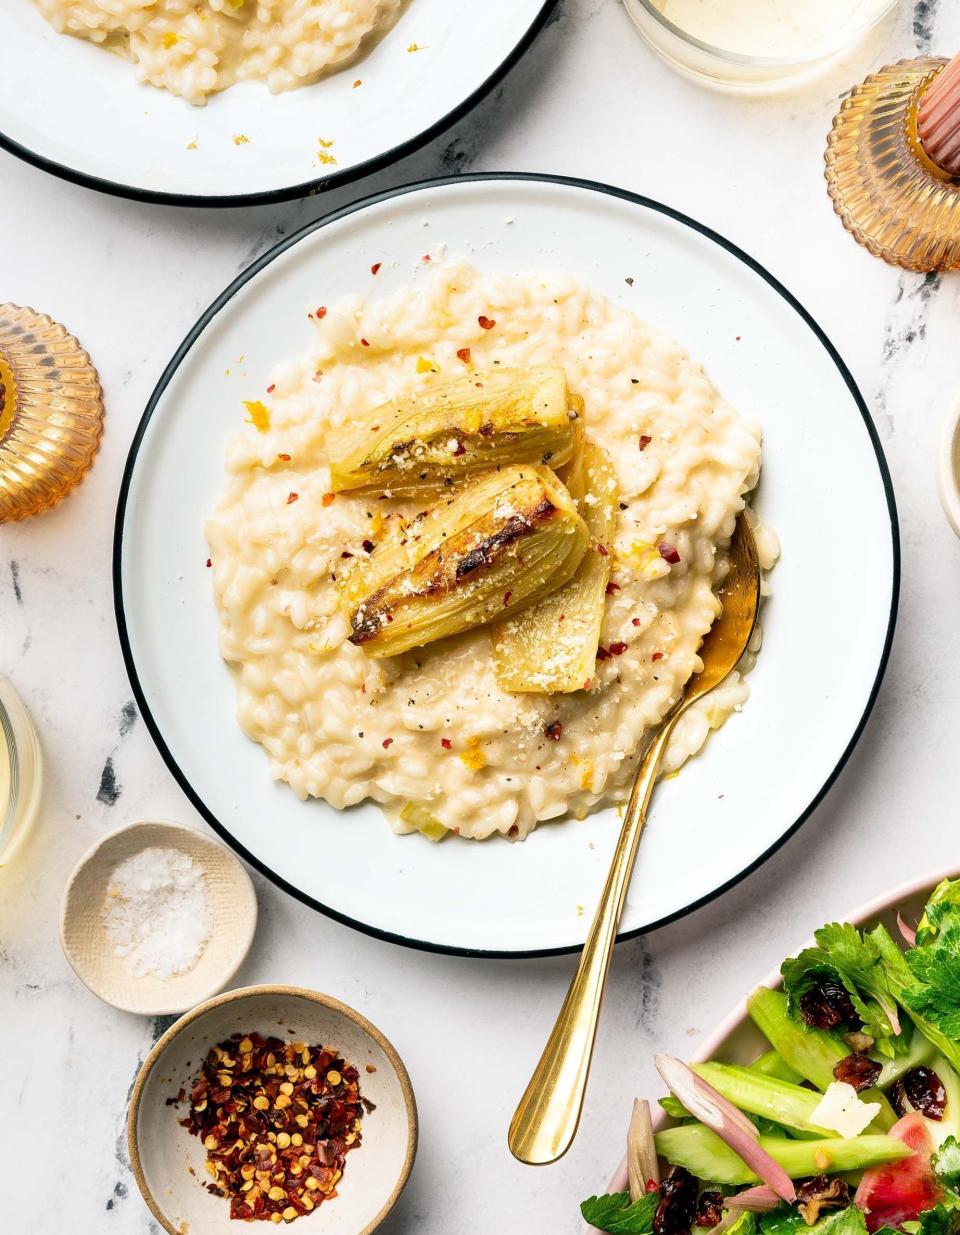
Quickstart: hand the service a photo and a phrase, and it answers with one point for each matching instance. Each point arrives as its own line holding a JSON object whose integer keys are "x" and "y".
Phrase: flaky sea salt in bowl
{"x": 157, "y": 917}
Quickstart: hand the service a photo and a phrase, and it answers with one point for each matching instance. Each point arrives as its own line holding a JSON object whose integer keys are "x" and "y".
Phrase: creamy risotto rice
{"x": 196, "y": 47}
{"x": 433, "y": 726}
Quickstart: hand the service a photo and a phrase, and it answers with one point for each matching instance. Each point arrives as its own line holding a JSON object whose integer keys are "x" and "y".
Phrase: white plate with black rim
{"x": 758, "y": 777}
{"x": 73, "y": 109}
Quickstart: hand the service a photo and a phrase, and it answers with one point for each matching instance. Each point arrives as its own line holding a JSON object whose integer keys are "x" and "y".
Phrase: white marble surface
{"x": 129, "y": 279}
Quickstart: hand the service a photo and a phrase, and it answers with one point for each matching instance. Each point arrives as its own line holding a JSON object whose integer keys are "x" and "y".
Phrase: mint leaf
{"x": 947, "y": 1162}
{"x": 854, "y": 960}
{"x": 614, "y": 1213}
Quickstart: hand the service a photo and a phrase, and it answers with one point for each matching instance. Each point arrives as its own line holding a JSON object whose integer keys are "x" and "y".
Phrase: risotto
{"x": 433, "y": 726}
{"x": 196, "y": 47}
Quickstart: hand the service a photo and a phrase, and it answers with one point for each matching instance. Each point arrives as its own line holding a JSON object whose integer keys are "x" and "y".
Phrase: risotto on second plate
{"x": 196, "y": 47}
{"x": 433, "y": 726}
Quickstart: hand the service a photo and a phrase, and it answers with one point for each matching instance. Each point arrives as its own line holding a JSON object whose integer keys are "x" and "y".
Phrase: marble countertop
{"x": 588, "y": 100}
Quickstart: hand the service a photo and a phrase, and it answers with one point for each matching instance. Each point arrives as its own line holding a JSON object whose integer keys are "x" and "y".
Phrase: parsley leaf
{"x": 614, "y": 1213}
{"x": 941, "y": 1220}
{"x": 913, "y": 995}
{"x": 936, "y": 970}
{"x": 944, "y": 900}
{"x": 947, "y": 1162}
{"x": 785, "y": 1220}
{"x": 854, "y": 960}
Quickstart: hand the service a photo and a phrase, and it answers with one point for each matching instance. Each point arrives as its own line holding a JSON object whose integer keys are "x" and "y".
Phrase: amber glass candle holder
{"x": 51, "y": 412}
{"x": 897, "y": 200}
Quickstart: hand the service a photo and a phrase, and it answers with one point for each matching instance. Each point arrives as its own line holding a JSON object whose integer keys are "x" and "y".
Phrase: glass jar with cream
{"x": 21, "y": 771}
{"x": 754, "y": 45}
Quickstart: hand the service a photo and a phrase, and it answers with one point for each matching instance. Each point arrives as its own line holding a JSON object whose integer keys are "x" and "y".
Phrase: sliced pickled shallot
{"x": 642, "y": 1166}
{"x": 908, "y": 932}
{"x": 723, "y": 1118}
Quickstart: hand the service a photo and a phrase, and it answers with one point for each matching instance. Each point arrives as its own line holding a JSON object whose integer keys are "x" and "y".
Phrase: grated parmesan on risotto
{"x": 433, "y": 726}
{"x": 196, "y": 47}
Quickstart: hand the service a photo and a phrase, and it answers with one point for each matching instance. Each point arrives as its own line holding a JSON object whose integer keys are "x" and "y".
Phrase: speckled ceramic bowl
{"x": 92, "y": 953}
{"x": 168, "y": 1162}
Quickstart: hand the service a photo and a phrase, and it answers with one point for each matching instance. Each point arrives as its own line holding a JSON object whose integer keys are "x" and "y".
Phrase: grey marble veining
{"x": 588, "y": 100}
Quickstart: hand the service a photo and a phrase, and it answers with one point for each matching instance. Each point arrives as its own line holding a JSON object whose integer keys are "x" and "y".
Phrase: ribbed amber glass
{"x": 51, "y": 412}
{"x": 888, "y": 193}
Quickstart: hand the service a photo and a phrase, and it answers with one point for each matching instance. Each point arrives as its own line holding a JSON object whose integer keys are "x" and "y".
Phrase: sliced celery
{"x": 814, "y": 1053}
{"x": 757, "y": 1094}
{"x": 705, "y": 1155}
{"x": 770, "y": 1064}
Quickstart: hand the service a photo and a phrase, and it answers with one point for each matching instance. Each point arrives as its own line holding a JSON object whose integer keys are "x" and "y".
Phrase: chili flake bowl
{"x": 168, "y": 1162}
{"x": 92, "y": 953}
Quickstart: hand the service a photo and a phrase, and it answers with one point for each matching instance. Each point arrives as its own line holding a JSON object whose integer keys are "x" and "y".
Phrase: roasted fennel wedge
{"x": 451, "y": 431}
{"x": 500, "y": 544}
{"x": 551, "y": 647}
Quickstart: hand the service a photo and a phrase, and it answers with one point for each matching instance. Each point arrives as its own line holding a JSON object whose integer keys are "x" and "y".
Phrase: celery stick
{"x": 770, "y": 1064}
{"x": 920, "y": 1051}
{"x": 764, "y": 1095}
{"x": 705, "y": 1155}
{"x": 814, "y": 1053}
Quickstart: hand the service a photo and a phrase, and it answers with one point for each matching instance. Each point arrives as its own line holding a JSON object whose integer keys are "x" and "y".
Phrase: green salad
{"x": 848, "y": 1123}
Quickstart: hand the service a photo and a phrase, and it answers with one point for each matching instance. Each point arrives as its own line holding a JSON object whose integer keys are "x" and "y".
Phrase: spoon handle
{"x": 546, "y": 1120}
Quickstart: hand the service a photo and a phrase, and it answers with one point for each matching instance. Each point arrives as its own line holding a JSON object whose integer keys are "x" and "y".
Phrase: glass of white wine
{"x": 21, "y": 771}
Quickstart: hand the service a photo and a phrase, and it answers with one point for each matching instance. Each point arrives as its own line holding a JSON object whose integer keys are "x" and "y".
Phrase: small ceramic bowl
{"x": 92, "y": 952}
{"x": 168, "y": 1162}
{"x": 948, "y": 469}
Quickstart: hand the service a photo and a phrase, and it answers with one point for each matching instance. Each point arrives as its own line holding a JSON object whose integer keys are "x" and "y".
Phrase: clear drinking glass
{"x": 21, "y": 771}
{"x": 754, "y": 46}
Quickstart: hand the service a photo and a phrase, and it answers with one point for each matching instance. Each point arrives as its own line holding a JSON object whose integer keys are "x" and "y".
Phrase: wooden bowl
{"x": 168, "y": 1163}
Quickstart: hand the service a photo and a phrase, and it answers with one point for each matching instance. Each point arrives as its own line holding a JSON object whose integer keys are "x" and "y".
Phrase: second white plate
{"x": 825, "y": 489}
{"x": 78, "y": 111}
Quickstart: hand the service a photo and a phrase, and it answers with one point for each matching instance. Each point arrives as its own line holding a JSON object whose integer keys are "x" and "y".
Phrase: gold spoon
{"x": 546, "y": 1120}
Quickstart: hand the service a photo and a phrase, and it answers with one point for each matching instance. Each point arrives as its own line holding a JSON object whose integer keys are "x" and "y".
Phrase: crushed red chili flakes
{"x": 644, "y": 441}
{"x": 612, "y": 587}
{"x": 554, "y": 731}
{"x": 375, "y": 267}
{"x": 463, "y": 353}
{"x": 668, "y": 553}
{"x": 506, "y": 598}
{"x": 364, "y": 343}
{"x": 656, "y": 655}
{"x": 635, "y": 621}
{"x": 284, "y": 458}
{"x": 321, "y": 312}
{"x": 271, "y": 388}
{"x": 446, "y": 744}
{"x": 387, "y": 743}
{"x": 277, "y": 1120}
{"x": 617, "y": 649}
{"x": 328, "y": 499}
{"x": 292, "y": 497}
{"x": 486, "y": 323}
{"x": 602, "y": 550}
{"x": 426, "y": 257}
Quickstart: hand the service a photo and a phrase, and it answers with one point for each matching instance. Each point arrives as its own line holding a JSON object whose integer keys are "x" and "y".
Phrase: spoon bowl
{"x": 546, "y": 1120}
